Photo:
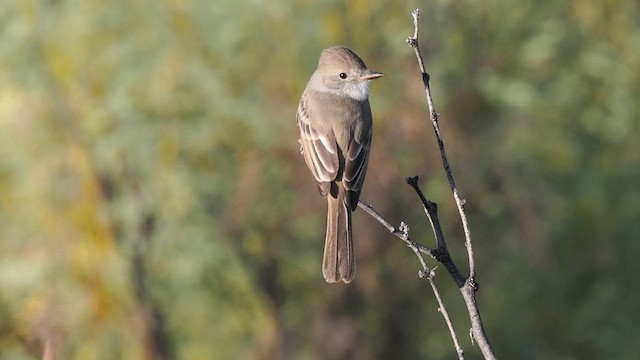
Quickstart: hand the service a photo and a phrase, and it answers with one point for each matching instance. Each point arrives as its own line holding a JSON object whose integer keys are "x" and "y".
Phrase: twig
{"x": 433, "y": 115}
{"x": 427, "y": 273}
{"x": 441, "y": 252}
{"x": 469, "y": 287}
{"x": 401, "y": 231}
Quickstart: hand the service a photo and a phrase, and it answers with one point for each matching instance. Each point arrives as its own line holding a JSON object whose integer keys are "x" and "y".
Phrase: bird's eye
{"x": 343, "y": 75}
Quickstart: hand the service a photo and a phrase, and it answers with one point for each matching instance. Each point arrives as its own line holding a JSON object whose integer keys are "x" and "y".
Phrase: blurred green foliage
{"x": 153, "y": 203}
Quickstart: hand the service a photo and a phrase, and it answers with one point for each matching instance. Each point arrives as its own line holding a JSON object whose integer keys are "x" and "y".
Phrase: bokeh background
{"x": 154, "y": 204}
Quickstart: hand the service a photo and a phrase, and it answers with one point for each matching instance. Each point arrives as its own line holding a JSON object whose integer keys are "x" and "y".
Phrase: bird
{"x": 335, "y": 122}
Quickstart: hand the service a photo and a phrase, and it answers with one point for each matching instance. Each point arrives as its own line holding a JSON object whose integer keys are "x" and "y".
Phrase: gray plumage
{"x": 334, "y": 117}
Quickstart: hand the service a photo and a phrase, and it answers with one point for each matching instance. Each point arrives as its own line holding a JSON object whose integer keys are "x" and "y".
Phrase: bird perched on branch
{"x": 335, "y": 123}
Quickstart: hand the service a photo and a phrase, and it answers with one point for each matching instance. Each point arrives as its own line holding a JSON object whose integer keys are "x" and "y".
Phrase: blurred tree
{"x": 153, "y": 202}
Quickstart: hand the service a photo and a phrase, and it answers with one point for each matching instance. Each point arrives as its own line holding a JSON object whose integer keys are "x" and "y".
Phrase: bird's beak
{"x": 370, "y": 75}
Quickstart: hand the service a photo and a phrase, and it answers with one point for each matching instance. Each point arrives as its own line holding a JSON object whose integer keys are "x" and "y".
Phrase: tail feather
{"x": 338, "y": 263}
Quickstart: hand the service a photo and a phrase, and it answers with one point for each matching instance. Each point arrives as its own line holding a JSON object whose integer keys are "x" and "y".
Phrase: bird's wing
{"x": 319, "y": 149}
{"x": 356, "y": 167}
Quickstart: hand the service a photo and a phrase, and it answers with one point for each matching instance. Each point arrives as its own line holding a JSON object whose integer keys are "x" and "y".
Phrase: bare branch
{"x": 401, "y": 231}
{"x": 441, "y": 253}
{"x": 469, "y": 287}
{"x": 433, "y": 115}
{"x": 427, "y": 273}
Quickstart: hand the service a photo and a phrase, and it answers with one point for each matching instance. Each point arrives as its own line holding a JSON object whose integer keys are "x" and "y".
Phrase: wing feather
{"x": 355, "y": 169}
{"x": 320, "y": 150}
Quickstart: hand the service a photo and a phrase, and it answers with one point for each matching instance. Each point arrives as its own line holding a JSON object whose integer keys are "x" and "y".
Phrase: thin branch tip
{"x": 412, "y": 180}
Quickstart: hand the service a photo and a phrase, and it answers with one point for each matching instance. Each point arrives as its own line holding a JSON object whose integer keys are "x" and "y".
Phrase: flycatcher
{"x": 334, "y": 117}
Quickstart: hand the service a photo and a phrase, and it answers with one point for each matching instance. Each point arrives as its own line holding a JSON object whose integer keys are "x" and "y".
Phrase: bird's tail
{"x": 339, "y": 262}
